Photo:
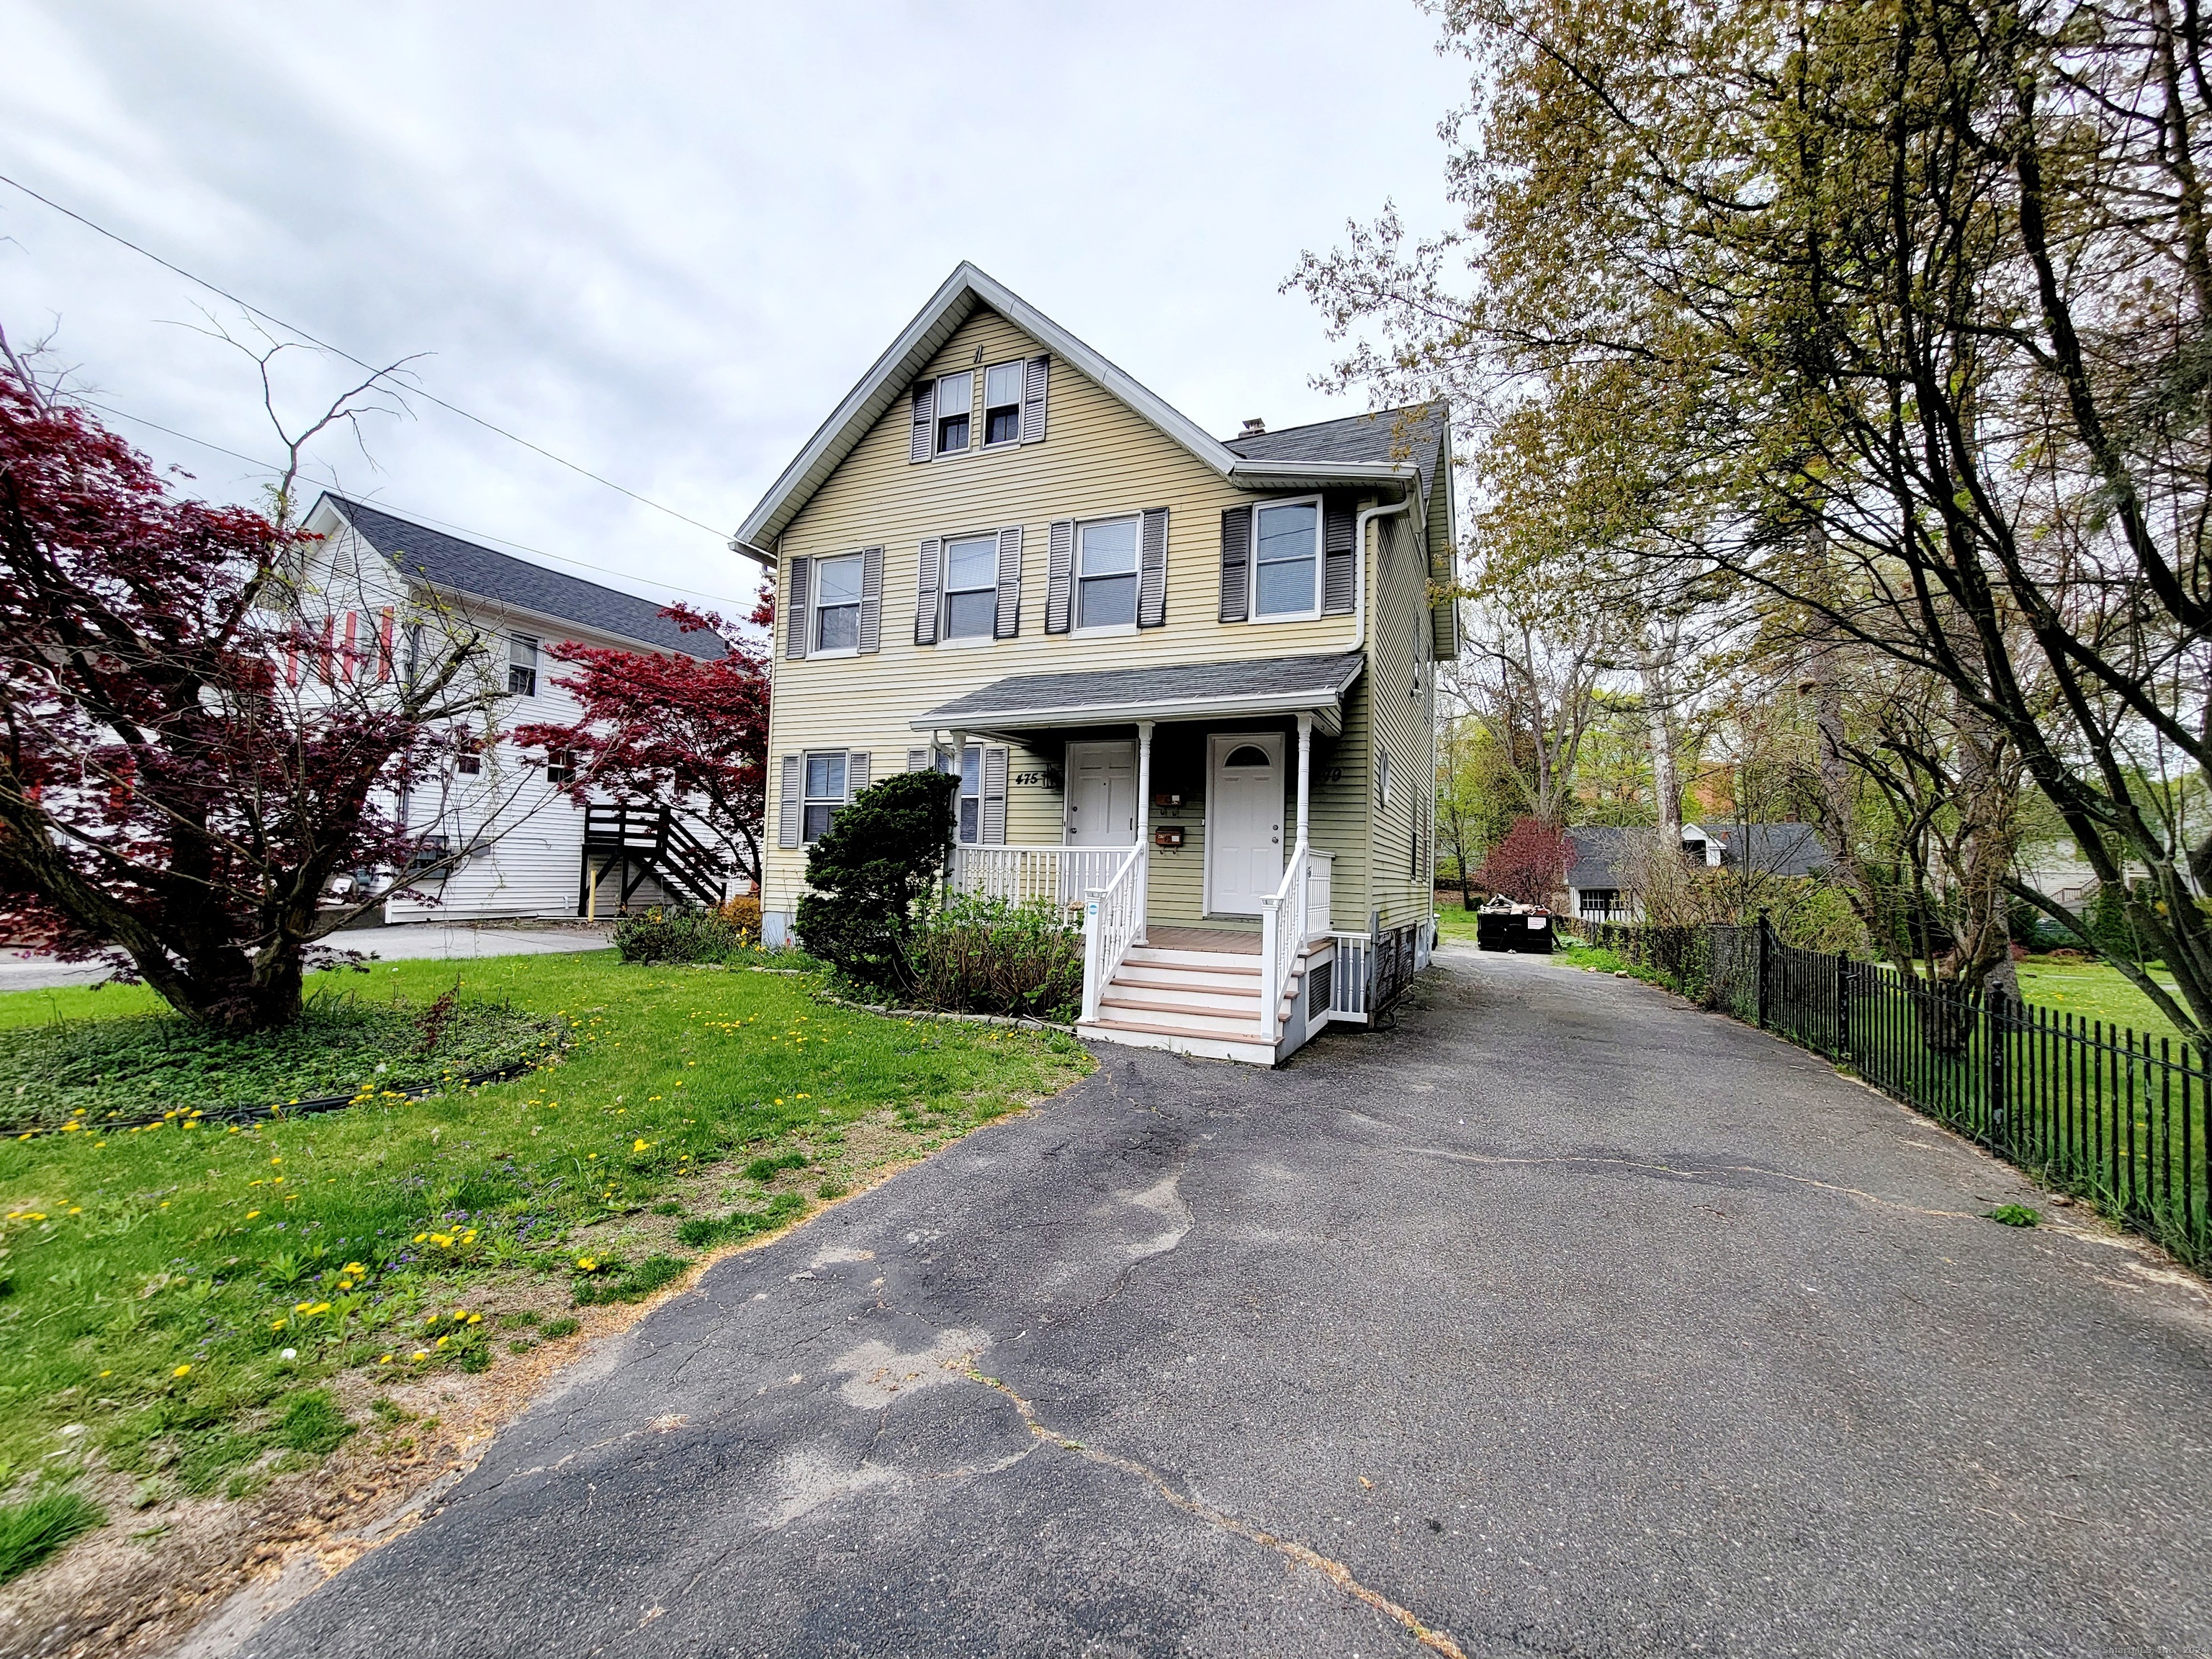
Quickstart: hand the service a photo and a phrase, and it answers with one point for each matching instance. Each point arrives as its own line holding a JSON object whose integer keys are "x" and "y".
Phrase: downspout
{"x": 1367, "y": 516}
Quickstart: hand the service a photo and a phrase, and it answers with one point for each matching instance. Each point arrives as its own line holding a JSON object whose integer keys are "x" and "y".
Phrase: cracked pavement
{"x": 1562, "y": 1320}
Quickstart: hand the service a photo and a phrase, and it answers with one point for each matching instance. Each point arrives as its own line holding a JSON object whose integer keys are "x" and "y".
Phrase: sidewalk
{"x": 29, "y": 970}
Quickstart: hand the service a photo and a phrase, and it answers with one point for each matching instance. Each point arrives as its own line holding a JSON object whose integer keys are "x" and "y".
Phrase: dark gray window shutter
{"x": 994, "y": 798}
{"x": 917, "y": 760}
{"x": 1059, "y": 577}
{"x": 1009, "y": 622}
{"x": 872, "y": 598}
{"x": 1033, "y": 388}
{"x": 795, "y": 619}
{"x": 1340, "y": 572}
{"x": 920, "y": 437}
{"x": 924, "y": 593}
{"x": 1152, "y": 569}
{"x": 786, "y": 825}
{"x": 856, "y": 772}
{"x": 1236, "y": 557}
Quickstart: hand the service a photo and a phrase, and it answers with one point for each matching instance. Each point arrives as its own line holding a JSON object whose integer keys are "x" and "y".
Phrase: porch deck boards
{"x": 1229, "y": 940}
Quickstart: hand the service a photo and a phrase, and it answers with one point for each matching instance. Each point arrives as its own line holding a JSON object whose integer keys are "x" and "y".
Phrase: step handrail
{"x": 1112, "y": 918}
{"x": 1282, "y": 938}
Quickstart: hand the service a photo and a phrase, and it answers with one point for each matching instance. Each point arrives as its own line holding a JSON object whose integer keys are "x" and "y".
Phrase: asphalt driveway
{"x": 1562, "y": 1320}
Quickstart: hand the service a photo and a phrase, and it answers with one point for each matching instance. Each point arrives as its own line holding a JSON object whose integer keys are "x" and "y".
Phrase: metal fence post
{"x": 1843, "y": 1008}
{"x": 1993, "y": 1056}
{"x": 1764, "y": 962}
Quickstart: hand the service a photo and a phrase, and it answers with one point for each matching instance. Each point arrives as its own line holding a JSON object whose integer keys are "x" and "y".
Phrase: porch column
{"x": 1305, "y": 771}
{"x": 959, "y": 753}
{"x": 1144, "y": 824}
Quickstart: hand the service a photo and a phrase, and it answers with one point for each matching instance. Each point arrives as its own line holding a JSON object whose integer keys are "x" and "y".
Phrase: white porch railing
{"x": 1035, "y": 875}
{"x": 1283, "y": 929}
{"x": 1112, "y": 916}
{"x": 1347, "y": 983}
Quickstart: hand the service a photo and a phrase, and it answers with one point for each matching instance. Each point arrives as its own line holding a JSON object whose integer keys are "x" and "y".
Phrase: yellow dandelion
{"x": 182, "y": 1371}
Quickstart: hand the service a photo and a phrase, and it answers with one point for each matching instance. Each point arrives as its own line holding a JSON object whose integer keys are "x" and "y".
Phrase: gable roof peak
{"x": 967, "y": 289}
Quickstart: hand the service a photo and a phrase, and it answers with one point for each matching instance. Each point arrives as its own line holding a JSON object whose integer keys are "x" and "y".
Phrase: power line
{"x": 340, "y": 351}
{"x": 444, "y": 524}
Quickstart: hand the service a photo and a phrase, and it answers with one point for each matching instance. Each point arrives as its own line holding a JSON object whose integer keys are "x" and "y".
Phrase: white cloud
{"x": 663, "y": 242}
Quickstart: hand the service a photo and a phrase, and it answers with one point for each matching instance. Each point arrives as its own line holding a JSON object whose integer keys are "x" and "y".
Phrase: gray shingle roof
{"x": 1269, "y": 685}
{"x": 460, "y": 567}
{"x": 1605, "y": 854}
{"x": 1372, "y": 437}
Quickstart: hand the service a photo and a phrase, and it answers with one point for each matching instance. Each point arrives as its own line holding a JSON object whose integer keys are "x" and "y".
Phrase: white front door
{"x": 1243, "y": 821}
{"x": 1102, "y": 794}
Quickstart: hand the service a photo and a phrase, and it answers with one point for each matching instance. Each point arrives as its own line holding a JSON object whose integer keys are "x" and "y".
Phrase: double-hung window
{"x": 1286, "y": 559}
{"x": 1106, "y": 573}
{"x": 971, "y": 588}
{"x": 956, "y": 397}
{"x": 971, "y": 796}
{"x": 837, "y": 605}
{"x": 825, "y": 792}
{"x": 1002, "y": 403}
{"x": 521, "y": 666}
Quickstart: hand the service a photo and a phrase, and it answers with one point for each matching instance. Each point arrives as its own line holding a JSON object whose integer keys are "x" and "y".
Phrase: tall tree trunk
{"x": 1655, "y": 663}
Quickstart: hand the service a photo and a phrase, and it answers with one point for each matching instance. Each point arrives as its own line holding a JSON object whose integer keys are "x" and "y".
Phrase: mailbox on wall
{"x": 1168, "y": 836}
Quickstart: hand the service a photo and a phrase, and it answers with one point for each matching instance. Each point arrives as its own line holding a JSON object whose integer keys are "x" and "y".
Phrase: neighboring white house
{"x": 391, "y": 592}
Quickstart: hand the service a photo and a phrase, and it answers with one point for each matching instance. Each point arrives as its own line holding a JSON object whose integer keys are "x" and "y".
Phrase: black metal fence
{"x": 2122, "y": 1120}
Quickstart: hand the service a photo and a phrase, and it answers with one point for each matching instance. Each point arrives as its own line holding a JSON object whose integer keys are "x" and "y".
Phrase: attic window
{"x": 956, "y": 398}
{"x": 1002, "y": 403}
{"x": 521, "y": 666}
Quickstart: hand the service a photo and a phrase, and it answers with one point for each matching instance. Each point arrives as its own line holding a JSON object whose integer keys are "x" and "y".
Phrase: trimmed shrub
{"x": 985, "y": 955}
{"x": 881, "y": 855}
{"x": 658, "y": 935}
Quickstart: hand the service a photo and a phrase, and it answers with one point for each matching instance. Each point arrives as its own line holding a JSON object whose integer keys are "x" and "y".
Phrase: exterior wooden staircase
{"x": 646, "y": 841}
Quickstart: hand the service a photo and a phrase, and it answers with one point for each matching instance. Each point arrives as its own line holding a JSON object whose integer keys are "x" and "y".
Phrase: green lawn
{"x": 2094, "y": 990}
{"x": 174, "y": 1297}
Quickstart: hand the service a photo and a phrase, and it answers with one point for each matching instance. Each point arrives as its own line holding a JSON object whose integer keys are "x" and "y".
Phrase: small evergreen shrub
{"x": 882, "y": 855}
{"x": 659, "y": 936}
{"x": 985, "y": 955}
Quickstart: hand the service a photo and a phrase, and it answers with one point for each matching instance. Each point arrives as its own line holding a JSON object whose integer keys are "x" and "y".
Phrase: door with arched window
{"x": 1243, "y": 821}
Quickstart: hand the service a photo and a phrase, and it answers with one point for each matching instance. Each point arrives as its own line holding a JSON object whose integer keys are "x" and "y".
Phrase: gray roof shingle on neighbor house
{"x": 463, "y": 567}
{"x": 1270, "y": 685}
{"x": 1356, "y": 438}
{"x": 1605, "y": 854}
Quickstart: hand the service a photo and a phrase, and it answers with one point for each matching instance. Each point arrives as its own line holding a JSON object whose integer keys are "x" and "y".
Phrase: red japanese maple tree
{"x": 1529, "y": 863}
{"x": 165, "y": 790}
{"x": 662, "y": 725}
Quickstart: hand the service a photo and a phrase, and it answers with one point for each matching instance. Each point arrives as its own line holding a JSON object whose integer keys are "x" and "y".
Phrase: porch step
{"x": 1187, "y": 978}
{"x": 1175, "y": 1000}
{"x": 1175, "y": 1040}
{"x": 1212, "y": 962}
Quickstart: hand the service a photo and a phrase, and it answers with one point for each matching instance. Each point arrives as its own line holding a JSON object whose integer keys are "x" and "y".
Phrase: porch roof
{"x": 1183, "y": 691}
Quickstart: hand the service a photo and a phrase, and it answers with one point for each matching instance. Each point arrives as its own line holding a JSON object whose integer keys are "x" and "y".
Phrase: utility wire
{"x": 339, "y": 351}
{"x": 463, "y": 530}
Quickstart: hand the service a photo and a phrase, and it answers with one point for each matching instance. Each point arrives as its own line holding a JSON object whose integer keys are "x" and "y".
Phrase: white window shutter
{"x": 926, "y": 598}
{"x": 871, "y": 598}
{"x": 795, "y": 618}
{"x": 1008, "y": 624}
{"x": 1059, "y": 577}
{"x": 787, "y": 828}
{"x": 856, "y": 772}
{"x": 995, "y": 797}
{"x": 1033, "y": 399}
{"x": 1152, "y": 569}
{"x": 923, "y": 431}
{"x": 917, "y": 760}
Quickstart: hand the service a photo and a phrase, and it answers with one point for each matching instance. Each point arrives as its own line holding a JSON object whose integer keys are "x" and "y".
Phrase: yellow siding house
{"x": 1186, "y": 682}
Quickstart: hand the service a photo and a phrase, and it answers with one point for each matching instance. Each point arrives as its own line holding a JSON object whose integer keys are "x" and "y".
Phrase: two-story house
{"x": 1186, "y": 682}
{"x": 497, "y": 833}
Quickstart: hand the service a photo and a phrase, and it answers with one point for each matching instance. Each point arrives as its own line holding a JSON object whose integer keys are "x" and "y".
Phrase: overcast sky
{"x": 662, "y": 242}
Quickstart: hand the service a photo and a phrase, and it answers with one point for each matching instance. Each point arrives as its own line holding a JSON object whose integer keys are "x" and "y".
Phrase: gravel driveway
{"x": 1562, "y": 1320}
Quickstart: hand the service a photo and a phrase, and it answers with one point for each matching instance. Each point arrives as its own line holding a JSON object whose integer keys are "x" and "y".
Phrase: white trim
{"x": 989, "y": 636}
{"x": 937, "y": 416}
{"x": 1272, "y": 742}
{"x": 814, "y": 608}
{"x": 1252, "y": 611}
{"x": 1324, "y": 705}
{"x": 956, "y": 300}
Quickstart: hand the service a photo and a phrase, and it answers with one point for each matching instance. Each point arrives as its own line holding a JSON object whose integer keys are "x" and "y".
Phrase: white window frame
{"x": 945, "y": 635}
{"x": 530, "y": 643}
{"x": 937, "y": 416}
{"x": 1135, "y": 574}
{"x": 806, "y": 759}
{"x": 1320, "y": 562}
{"x": 959, "y": 770}
{"x": 815, "y": 647}
{"x": 1020, "y": 367}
